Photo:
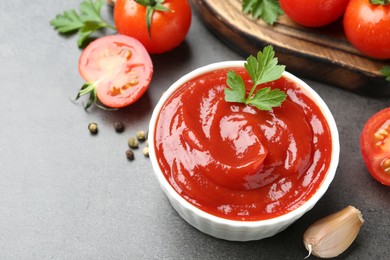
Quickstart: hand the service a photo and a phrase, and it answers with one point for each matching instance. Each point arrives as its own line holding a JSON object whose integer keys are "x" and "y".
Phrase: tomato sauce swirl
{"x": 235, "y": 161}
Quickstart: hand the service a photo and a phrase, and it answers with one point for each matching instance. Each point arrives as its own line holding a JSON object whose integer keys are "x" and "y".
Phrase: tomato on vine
{"x": 367, "y": 27}
{"x": 160, "y": 25}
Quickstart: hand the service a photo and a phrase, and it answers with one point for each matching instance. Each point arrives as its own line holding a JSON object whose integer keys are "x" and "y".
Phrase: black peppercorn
{"x": 119, "y": 127}
{"x": 130, "y": 155}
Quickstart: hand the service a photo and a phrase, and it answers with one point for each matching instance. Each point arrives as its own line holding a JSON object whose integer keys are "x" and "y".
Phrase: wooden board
{"x": 322, "y": 54}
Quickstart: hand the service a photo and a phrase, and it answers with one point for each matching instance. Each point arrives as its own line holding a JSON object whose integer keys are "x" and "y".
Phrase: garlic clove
{"x": 332, "y": 235}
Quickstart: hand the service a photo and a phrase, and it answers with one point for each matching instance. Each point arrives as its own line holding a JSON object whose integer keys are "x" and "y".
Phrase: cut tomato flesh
{"x": 119, "y": 67}
{"x": 375, "y": 146}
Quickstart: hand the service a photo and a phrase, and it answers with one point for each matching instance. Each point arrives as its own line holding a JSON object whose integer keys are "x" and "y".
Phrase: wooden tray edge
{"x": 338, "y": 74}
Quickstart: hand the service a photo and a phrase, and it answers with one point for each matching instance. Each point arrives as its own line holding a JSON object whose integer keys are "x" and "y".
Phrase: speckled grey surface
{"x": 65, "y": 194}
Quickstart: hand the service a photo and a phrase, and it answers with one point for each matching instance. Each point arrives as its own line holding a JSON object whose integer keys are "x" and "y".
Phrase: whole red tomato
{"x": 367, "y": 27}
{"x": 313, "y": 13}
{"x": 169, "y": 22}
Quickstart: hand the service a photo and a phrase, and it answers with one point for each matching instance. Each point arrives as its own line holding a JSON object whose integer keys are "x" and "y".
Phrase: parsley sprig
{"x": 261, "y": 70}
{"x": 86, "y": 23}
{"x": 386, "y": 72}
{"x": 267, "y": 10}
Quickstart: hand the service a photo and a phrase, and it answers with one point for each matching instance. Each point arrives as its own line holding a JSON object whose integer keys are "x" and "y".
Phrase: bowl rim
{"x": 294, "y": 214}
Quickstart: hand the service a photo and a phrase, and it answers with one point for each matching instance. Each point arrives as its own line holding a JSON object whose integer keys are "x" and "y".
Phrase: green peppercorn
{"x": 141, "y": 136}
{"x": 93, "y": 128}
{"x": 130, "y": 155}
{"x": 133, "y": 142}
{"x": 145, "y": 151}
{"x": 119, "y": 127}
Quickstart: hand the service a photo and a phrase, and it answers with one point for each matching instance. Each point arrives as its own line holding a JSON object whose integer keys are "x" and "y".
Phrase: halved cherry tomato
{"x": 313, "y": 13}
{"x": 375, "y": 146}
{"x": 117, "y": 68}
{"x": 367, "y": 27}
{"x": 168, "y": 27}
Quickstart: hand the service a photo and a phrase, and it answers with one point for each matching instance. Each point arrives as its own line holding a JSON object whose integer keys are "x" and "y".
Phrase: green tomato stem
{"x": 151, "y": 6}
{"x": 380, "y": 2}
{"x": 111, "y": 26}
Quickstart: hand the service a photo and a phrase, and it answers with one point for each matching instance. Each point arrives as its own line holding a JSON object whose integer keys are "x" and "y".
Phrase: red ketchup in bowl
{"x": 235, "y": 161}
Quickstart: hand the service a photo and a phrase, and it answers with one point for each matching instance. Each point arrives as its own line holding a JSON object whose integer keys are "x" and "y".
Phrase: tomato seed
{"x": 114, "y": 91}
{"x": 133, "y": 82}
{"x": 381, "y": 136}
{"x": 130, "y": 84}
{"x": 128, "y": 55}
{"x": 386, "y": 165}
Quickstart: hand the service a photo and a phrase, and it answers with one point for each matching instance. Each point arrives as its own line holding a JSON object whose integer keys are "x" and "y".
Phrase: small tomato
{"x": 160, "y": 25}
{"x": 367, "y": 27}
{"x": 313, "y": 13}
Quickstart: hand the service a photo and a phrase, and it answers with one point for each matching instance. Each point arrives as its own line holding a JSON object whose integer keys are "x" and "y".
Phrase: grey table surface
{"x": 65, "y": 194}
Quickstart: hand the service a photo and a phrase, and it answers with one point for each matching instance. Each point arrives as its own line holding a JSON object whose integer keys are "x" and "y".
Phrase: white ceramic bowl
{"x": 232, "y": 229}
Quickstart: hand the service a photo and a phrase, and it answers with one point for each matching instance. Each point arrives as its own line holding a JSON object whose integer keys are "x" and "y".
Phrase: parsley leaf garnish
{"x": 261, "y": 70}
{"x": 236, "y": 92}
{"x": 86, "y": 23}
{"x": 386, "y": 72}
{"x": 267, "y": 10}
